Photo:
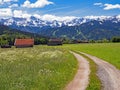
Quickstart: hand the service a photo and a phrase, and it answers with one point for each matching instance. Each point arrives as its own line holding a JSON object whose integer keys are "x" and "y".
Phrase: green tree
{"x": 92, "y": 41}
{"x": 115, "y": 39}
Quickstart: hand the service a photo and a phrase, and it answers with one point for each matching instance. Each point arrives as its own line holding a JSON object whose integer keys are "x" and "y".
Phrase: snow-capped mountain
{"x": 34, "y": 24}
{"x": 89, "y": 27}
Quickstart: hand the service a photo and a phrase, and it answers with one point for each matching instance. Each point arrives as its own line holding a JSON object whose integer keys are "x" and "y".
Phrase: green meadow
{"x": 109, "y": 52}
{"x": 38, "y": 68}
{"x": 51, "y": 67}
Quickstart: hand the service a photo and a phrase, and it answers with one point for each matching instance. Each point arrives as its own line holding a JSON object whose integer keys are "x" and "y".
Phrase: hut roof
{"x": 24, "y": 42}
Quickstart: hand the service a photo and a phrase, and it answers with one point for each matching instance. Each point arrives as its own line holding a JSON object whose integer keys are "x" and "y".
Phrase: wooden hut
{"x": 21, "y": 43}
{"x": 54, "y": 42}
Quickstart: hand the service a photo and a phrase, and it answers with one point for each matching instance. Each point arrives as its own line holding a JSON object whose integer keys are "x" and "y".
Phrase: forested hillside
{"x": 94, "y": 30}
{"x": 8, "y": 35}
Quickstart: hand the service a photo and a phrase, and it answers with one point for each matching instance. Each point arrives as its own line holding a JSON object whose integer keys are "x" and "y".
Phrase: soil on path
{"x": 108, "y": 74}
{"x": 81, "y": 79}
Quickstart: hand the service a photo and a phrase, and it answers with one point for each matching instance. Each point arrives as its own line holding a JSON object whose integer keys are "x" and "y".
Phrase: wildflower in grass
{"x": 34, "y": 68}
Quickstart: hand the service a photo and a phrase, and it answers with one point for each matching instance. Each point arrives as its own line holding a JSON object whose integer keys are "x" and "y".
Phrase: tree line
{"x": 113, "y": 39}
{"x": 104, "y": 40}
{"x": 7, "y": 40}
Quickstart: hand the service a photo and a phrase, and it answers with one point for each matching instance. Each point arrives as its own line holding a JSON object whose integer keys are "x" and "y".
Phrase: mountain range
{"x": 89, "y": 27}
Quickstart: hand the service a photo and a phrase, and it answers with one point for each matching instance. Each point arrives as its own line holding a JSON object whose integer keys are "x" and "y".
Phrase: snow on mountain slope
{"x": 39, "y": 23}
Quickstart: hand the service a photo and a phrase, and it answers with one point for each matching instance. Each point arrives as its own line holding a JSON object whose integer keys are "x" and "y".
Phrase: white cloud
{"x": 37, "y": 4}
{"x": 21, "y": 14}
{"x": 17, "y": 13}
{"x": 96, "y": 17}
{"x": 7, "y": 1}
{"x": 37, "y": 16}
{"x": 10, "y": 0}
{"x": 118, "y": 16}
{"x": 110, "y": 6}
{"x": 0, "y": 1}
{"x": 5, "y": 12}
{"x": 48, "y": 17}
{"x": 98, "y": 4}
{"x": 13, "y": 6}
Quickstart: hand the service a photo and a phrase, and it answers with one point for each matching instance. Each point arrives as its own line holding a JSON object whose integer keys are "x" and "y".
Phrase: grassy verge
{"x": 38, "y": 68}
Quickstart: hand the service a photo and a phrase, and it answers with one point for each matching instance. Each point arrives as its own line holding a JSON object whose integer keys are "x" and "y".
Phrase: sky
{"x": 60, "y": 9}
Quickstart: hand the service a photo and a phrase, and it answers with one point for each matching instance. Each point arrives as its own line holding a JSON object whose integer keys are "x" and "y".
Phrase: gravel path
{"x": 81, "y": 78}
{"x": 108, "y": 74}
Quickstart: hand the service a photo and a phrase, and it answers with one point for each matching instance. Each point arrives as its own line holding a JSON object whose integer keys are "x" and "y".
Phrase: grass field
{"x": 50, "y": 68}
{"x": 38, "y": 68}
{"x": 110, "y": 52}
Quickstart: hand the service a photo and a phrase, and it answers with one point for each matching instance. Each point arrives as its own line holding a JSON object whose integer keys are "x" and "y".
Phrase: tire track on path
{"x": 81, "y": 79}
{"x": 108, "y": 74}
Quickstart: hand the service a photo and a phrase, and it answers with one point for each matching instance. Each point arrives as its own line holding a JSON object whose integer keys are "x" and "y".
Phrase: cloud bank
{"x": 7, "y": 1}
{"x": 108, "y": 6}
{"x": 6, "y": 12}
{"x": 37, "y": 4}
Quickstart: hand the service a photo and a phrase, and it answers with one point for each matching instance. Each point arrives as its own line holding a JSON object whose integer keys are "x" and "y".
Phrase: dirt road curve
{"x": 108, "y": 74}
{"x": 81, "y": 79}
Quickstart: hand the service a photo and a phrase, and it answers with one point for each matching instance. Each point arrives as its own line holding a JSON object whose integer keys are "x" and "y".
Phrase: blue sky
{"x": 83, "y": 7}
{"x": 78, "y": 8}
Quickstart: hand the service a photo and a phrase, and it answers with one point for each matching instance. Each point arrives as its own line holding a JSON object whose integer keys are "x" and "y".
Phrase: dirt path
{"x": 81, "y": 79}
{"x": 108, "y": 74}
